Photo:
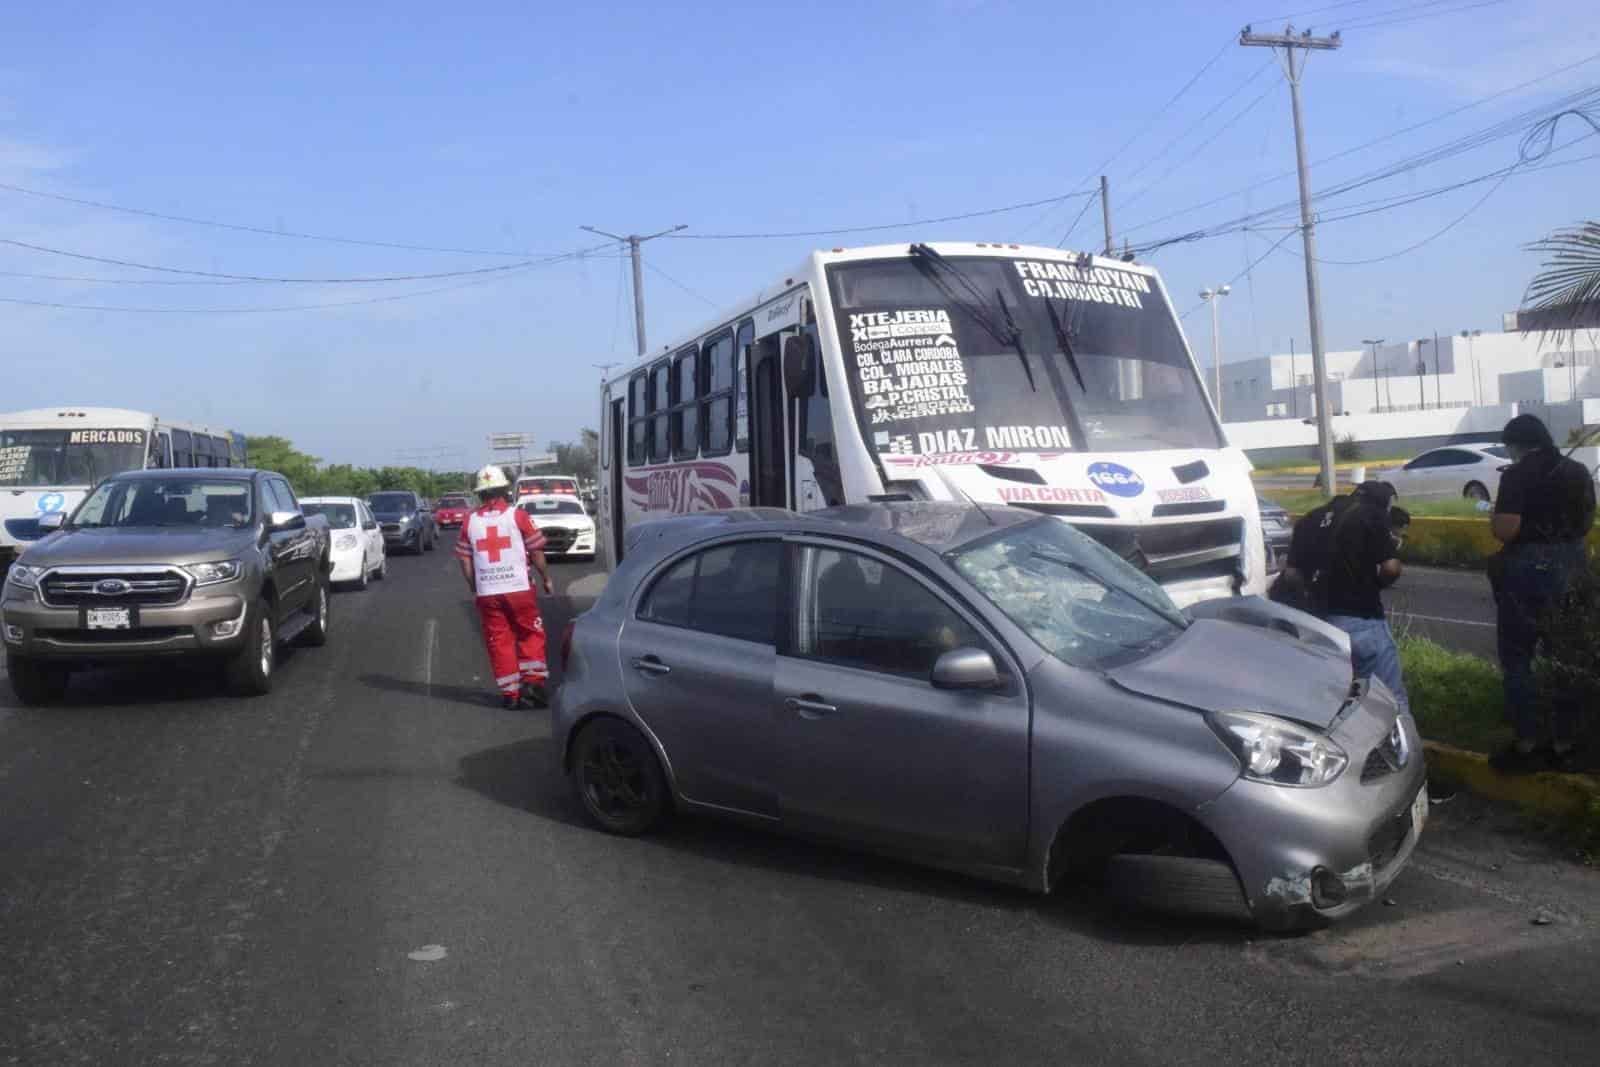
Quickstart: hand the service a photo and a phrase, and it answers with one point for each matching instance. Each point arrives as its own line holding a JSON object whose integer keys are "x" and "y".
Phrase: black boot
{"x": 534, "y": 695}
{"x": 511, "y": 701}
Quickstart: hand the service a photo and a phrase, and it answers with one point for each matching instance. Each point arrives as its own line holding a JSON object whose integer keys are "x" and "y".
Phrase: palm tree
{"x": 1565, "y": 294}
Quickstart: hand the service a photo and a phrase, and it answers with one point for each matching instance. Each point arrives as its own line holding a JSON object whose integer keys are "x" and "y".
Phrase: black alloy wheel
{"x": 617, "y": 778}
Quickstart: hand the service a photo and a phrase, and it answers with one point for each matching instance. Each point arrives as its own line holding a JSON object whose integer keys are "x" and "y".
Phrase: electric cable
{"x": 842, "y": 230}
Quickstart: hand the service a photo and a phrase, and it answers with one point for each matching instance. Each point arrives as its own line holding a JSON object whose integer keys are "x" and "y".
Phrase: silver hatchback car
{"x": 992, "y": 691}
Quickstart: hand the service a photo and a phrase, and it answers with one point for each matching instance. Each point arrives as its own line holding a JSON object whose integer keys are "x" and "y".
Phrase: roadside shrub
{"x": 1455, "y": 696}
{"x": 1347, "y": 449}
{"x": 1569, "y": 669}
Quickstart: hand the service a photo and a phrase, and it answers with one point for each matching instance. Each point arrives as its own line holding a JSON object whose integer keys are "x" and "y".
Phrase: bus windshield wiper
{"x": 1009, "y": 336}
{"x": 1064, "y": 344}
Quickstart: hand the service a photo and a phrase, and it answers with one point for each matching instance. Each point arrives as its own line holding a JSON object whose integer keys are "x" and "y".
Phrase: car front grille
{"x": 113, "y": 587}
{"x": 558, "y": 538}
{"x": 391, "y": 528}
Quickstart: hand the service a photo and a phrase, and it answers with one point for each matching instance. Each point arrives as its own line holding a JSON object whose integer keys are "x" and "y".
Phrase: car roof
{"x": 236, "y": 474}
{"x": 939, "y": 526}
{"x": 331, "y": 500}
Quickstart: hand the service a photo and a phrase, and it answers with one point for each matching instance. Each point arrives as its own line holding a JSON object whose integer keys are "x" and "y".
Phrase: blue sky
{"x": 503, "y": 127}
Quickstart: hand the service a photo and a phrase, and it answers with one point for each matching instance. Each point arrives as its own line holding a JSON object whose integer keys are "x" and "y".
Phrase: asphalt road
{"x": 1453, "y": 607}
{"x": 377, "y": 865}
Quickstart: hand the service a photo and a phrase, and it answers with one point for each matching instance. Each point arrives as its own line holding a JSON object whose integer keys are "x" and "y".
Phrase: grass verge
{"x": 1455, "y": 696}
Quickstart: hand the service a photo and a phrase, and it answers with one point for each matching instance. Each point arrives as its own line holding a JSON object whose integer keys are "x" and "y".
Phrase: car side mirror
{"x": 800, "y": 365}
{"x": 966, "y": 668}
{"x": 369, "y": 525}
{"x": 285, "y": 520}
{"x": 52, "y": 520}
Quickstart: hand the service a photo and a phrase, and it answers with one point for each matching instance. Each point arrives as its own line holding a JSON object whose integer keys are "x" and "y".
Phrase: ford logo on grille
{"x": 111, "y": 587}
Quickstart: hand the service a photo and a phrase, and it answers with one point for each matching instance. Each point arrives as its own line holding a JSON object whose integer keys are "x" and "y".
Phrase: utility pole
{"x": 1422, "y": 375}
{"x": 1294, "y": 380}
{"x": 1105, "y": 211}
{"x": 1377, "y": 401}
{"x": 1438, "y": 392}
{"x": 1305, "y": 44}
{"x": 633, "y": 241}
{"x": 1211, "y": 296}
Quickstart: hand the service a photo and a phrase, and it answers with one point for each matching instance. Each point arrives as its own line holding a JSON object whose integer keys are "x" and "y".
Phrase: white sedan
{"x": 1471, "y": 471}
{"x": 358, "y": 552}
{"x": 568, "y": 530}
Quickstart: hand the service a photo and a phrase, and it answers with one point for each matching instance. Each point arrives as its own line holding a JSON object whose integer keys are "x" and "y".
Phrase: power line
{"x": 1075, "y": 220}
{"x": 262, "y": 278}
{"x": 1418, "y": 18}
{"x": 1391, "y": 135}
{"x": 680, "y": 285}
{"x": 215, "y": 224}
{"x": 1252, "y": 265}
{"x": 1209, "y": 141}
{"x": 61, "y": 305}
{"x": 112, "y": 281}
{"x": 840, "y": 231}
{"x": 1201, "y": 121}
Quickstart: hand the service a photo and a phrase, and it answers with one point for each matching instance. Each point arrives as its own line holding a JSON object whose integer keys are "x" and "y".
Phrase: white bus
{"x": 1005, "y": 374}
{"x": 51, "y": 457}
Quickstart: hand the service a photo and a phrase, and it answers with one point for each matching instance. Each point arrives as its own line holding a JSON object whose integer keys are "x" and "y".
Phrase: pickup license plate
{"x": 108, "y": 619}
{"x": 1419, "y": 809}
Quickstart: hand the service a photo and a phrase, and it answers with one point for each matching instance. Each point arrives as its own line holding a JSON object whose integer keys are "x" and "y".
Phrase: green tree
{"x": 1565, "y": 294}
{"x": 580, "y": 458}
{"x": 273, "y": 453}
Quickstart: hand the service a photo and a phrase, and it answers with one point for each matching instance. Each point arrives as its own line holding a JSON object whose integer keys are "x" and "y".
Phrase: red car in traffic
{"x": 451, "y": 511}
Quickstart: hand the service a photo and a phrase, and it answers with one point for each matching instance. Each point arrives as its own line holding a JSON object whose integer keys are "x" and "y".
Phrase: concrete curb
{"x": 1545, "y": 793}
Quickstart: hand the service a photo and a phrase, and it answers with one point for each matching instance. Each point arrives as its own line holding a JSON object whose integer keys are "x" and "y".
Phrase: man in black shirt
{"x": 1542, "y": 514}
{"x": 1343, "y": 555}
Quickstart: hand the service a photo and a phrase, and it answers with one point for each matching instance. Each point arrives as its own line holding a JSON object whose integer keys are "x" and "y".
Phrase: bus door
{"x": 770, "y": 456}
{"x": 614, "y": 451}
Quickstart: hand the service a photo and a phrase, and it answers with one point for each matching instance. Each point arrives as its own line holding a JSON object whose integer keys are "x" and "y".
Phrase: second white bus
{"x": 1004, "y": 374}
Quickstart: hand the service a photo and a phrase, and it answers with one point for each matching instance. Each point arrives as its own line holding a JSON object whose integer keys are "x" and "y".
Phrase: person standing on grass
{"x": 1343, "y": 555}
{"x": 1543, "y": 512}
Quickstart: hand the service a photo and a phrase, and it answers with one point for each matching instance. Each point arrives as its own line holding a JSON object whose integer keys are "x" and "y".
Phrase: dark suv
{"x": 407, "y": 522}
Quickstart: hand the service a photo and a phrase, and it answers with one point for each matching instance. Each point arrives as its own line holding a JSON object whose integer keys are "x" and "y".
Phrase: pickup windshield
{"x": 31, "y": 459}
{"x": 1075, "y": 597}
{"x": 972, "y": 353}
{"x": 177, "y": 501}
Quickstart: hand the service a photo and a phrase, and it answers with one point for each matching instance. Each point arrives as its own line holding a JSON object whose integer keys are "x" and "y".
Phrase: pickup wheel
{"x": 316, "y": 635}
{"x": 36, "y": 684}
{"x": 428, "y": 545}
{"x": 249, "y": 672}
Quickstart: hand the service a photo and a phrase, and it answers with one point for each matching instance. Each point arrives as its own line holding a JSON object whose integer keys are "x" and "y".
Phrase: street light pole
{"x": 1422, "y": 375}
{"x": 1210, "y": 296}
{"x": 1377, "y": 401}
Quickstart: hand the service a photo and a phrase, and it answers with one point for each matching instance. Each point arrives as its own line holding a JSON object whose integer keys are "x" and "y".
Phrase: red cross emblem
{"x": 492, "y": 544}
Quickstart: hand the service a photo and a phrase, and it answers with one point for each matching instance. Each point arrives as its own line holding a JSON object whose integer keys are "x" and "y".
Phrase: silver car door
{"x": 697, "y": 656}
{"x": 871, "y": 749}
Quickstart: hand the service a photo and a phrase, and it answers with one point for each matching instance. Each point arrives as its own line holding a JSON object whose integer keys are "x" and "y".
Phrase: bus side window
{"x": 816, "y": 439}
{"x": 638, "y": 420}
{"x": 741, "y": 378}
{"x": 716, "y": 409}
{"x": 660, "y": 405}
{"x": 685, "y": 417}
{"x": 182, "y": 449}
{"x": 160, "y": 451}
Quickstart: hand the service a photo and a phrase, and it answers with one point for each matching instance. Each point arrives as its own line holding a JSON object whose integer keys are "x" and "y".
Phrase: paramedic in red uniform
{"x": 498, "y": 547}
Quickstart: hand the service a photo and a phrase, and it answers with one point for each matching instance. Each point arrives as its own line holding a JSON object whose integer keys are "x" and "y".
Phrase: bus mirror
{"x": 800, "y": 365}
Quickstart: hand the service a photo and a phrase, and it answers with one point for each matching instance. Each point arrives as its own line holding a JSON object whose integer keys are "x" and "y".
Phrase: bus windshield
{"x": 968, "y": 354}
{"x": 32, "y": 459}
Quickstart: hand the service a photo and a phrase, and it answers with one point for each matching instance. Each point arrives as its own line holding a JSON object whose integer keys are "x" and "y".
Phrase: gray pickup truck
{"x": 218, "y": 563}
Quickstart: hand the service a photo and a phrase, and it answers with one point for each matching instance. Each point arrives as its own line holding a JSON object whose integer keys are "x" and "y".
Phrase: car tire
{"x": 249, "y": 673}
{"x": 316, "y": 635}
{"x": 383, "y": 568}
{"x": 1475, "y": 491}
{"x": 37, "y": 684}
{"x": 428, "y": 545}
{"x": 366, "y": 576}
{"x": 617, "y": 779}
{"x": 1187, "y": 885}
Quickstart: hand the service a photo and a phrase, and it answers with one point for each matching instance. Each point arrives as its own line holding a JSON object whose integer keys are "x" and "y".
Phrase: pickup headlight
{"x": 23, "y": 576}
{"x": 345, "y": 541}
{"x": 1277, "y": 751}
{"x": 213, "y": 573}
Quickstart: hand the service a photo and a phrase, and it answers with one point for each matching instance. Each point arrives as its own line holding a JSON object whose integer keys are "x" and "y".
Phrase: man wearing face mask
{"x": 1542, "y": 514}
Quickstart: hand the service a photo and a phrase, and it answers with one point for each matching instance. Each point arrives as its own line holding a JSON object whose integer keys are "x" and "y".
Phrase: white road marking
{"x": 1441, "y": 618}
{"x": 429, "y": 632}
{"x": 427, "y": 953}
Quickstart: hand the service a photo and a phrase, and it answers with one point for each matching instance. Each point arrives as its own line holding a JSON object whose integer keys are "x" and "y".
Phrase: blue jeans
{"x": 1373, "y": 653}
{"x": 1534, "y": 580}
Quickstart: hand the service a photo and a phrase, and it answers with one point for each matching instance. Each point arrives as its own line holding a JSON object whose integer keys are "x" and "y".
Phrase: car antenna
{"x": 981, "y": 509}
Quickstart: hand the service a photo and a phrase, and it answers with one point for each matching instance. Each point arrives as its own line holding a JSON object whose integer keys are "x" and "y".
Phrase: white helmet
{"x": 490, "y": 477}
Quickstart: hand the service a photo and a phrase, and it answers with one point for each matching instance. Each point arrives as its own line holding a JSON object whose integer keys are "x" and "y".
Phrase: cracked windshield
{"x": 955, "y": 533}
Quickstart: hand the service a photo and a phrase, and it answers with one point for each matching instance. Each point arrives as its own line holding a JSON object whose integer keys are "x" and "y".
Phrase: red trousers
{"x": 513, "y": 632}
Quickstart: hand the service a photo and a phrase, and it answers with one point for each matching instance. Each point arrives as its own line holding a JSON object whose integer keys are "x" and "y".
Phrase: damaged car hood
{"x": 1225, "y": 666}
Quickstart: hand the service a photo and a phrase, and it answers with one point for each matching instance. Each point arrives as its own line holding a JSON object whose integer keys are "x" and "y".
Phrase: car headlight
{"x": 212, "y": 573}
{"x": 23, "y": 576}
{"x": 345, "y": 541}
{"x": 1277, "y": 751}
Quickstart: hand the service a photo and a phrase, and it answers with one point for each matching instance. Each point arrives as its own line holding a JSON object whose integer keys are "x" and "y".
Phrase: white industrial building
{"x": 1416, "y": 393}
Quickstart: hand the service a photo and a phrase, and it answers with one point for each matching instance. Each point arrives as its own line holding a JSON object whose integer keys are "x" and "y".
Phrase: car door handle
{"x": 651, "y": 665}
{"x": 810, "y": 706}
